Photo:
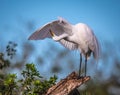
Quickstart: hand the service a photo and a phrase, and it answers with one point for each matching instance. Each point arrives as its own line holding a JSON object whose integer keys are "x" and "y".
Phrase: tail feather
{"x": 96, "y": 52}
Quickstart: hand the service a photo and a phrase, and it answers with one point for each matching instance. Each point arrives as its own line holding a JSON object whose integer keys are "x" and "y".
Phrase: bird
{"x": 73, "y": 37}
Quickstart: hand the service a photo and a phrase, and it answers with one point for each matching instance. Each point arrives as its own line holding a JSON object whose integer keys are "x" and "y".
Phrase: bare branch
{"x": 68, "y": 86}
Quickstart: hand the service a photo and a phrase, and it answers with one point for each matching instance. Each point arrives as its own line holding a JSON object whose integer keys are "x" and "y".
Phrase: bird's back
{"x": 87, "y": 40}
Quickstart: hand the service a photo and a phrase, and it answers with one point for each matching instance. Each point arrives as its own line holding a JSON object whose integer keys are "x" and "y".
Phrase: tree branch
{"x": 68, "y": 86}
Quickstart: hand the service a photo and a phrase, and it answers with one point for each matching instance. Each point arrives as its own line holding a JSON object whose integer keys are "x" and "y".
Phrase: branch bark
{"x": 68, "y": 86}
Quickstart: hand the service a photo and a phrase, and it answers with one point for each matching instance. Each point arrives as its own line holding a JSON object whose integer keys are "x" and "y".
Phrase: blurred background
{"x": 20, "y": 18}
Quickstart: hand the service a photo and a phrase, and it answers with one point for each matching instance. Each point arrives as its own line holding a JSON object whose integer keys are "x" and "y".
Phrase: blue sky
{"x": 103, "y": 16}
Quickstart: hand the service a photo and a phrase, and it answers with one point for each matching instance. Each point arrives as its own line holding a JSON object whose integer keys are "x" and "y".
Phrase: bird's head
{"x": 52, "y": 33}
{"x": 62, "y": 21}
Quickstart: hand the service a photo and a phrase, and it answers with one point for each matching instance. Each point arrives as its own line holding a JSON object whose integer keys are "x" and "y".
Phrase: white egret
{"x": 74, "y": 37}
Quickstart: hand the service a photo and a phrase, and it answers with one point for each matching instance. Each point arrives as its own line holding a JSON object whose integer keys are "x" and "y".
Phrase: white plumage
{"x": 74, "y": 37}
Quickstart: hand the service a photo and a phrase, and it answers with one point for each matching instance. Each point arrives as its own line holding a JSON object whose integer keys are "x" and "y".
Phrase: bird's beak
{"x": 52, "y": 33}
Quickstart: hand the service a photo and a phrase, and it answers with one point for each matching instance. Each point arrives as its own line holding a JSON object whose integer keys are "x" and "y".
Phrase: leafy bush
{"x": 31, "y": 83}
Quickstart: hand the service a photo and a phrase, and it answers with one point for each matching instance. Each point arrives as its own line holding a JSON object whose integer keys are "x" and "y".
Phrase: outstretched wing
{"x": 58, "y": 27}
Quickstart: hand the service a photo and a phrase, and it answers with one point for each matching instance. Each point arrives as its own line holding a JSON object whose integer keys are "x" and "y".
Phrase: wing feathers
{"x": 58, "y": 27}
{"x": 68, "y": 44}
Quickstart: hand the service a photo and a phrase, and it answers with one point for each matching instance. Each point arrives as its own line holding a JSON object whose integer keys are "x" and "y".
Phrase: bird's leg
{"x": 80, "y": 65}
{"x": 85, "y": 64}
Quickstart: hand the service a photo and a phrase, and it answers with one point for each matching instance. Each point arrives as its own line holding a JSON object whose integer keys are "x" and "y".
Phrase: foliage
{"x": 31, "y": 82}
{"x": 11, "y": 49}
{"x": 3, "y": 62}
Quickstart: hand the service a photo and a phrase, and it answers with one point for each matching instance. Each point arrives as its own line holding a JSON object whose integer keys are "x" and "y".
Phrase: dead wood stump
{"x": 68, "y": 86}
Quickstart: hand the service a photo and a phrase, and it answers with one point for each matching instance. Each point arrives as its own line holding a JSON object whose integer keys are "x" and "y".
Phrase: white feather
{"x": 59, "y": 27}
{"x": 68, "y": 44}
{"x": 78, "y": 36}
